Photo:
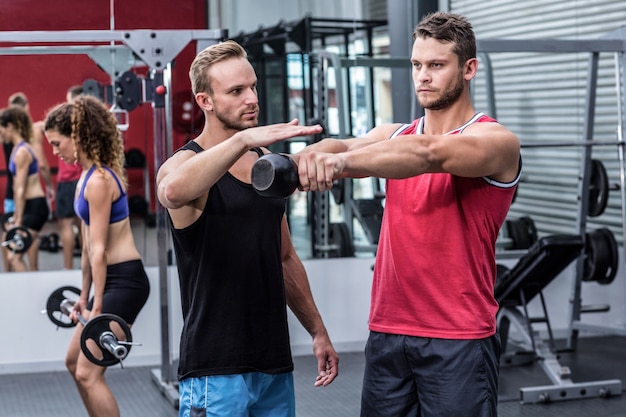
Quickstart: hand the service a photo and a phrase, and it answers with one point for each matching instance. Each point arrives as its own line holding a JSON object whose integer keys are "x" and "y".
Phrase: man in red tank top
{"x": 433, "y": 348}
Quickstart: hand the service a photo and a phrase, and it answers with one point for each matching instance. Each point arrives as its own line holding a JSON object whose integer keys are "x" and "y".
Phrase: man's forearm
{"x": 327, "y": 145}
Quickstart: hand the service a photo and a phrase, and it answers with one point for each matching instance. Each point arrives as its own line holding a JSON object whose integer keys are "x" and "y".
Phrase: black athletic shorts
{"x": 36, "y": 212}
{"x": 126, "y": 290}
{"x": 65, "y": 199}
{"x": 419, "y": 376}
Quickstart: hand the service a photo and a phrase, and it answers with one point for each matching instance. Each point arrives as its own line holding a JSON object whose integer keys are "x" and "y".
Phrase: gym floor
{"x": 53, "y": 394}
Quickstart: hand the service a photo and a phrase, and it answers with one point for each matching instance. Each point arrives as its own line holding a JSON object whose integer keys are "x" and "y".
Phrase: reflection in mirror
{"x": 355, "y": 210}
{"x": 95, "y": 68}
{"x": 51, "y": 255}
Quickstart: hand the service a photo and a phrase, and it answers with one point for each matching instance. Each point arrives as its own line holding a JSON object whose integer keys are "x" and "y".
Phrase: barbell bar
{"x": 556, "y": 144}
{"x": 98, "y": 332}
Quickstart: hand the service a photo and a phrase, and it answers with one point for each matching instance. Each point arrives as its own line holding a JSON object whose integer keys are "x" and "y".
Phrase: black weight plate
{"x": 601, "y": 257}
{"x": 53, "y": 306}
{"x": 94, "y": 328}
{"x": 18, "y": 239}
{"x": 589, "y": 266}
{"x": 610, "y": 247}
{"x": 522, "y": 232}
{"x": 598, "y": 189}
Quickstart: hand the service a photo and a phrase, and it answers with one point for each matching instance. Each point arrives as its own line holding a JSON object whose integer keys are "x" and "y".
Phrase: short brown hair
{"x": 75, "y": 90}
{"x": 209, "y": 56}
{"x": 452, "y": 28}
{"x": 18, "y": 99}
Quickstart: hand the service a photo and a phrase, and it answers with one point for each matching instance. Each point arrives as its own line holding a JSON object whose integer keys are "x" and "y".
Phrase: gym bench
{"x": 515, "y": 288}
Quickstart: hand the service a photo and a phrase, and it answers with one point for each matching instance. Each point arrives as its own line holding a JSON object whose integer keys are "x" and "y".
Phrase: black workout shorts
{"x": 126, "y": 290}
{"x": 36, "y": 212}
{"x": 65, "y": 199}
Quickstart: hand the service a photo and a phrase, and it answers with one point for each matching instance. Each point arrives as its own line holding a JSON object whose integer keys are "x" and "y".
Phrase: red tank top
{"x": 435, "y": 264}
{"x": 68, "y": 172}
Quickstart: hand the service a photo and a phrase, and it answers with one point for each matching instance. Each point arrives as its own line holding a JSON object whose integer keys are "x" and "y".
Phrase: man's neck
{"x": 440, "y": 122}
{"x": 214, "y": 134}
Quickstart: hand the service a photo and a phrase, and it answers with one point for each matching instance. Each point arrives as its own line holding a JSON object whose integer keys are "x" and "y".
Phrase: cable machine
{"x": 275, "y": 51}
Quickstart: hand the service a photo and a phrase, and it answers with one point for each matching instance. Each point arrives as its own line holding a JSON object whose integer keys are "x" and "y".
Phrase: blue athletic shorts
{"x": 9, "y": 205}
{"x": 417, "y": 376}
{"x": 253, "y": 394}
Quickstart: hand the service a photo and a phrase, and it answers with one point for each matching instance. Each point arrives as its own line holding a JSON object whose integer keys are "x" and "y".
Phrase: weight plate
{"x": 598, "y": 189}
{"x": 53, "y": 306}
{"x": 601, "y": 257}
{"x": 522, "y": 232}
{"x": 18, "y": 239}
{"x": 90, "y": 338}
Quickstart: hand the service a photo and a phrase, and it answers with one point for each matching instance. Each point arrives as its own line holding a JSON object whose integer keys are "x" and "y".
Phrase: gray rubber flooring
{"x": 53, "y": 394}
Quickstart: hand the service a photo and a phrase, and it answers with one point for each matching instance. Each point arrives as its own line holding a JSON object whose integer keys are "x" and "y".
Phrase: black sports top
{"x": 231, "y": 283}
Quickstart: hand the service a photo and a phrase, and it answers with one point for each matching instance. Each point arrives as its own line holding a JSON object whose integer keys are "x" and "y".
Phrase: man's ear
{"x": 205, "y": 102}
{"x": 470, "y": 68}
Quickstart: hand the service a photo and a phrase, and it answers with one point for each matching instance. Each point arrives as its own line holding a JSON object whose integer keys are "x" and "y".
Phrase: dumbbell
{"x": 98, "y": 341}
{"x": 275, "y": 175}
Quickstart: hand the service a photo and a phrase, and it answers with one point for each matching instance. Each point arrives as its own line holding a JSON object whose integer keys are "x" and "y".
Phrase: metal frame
{"x": 156, "y": 48}
{"x": 563, "y": 388}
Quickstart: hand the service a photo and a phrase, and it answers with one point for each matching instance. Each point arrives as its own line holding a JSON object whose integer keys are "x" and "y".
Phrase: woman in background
{"x": 31, "y": 206}
{"x": 85, "y": 132}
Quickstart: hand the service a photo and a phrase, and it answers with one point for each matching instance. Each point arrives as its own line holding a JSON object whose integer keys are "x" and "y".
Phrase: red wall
{"x": 45, "y": 78}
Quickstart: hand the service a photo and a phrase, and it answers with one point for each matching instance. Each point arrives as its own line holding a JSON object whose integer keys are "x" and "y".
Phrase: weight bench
{"x": 515, "y": 288}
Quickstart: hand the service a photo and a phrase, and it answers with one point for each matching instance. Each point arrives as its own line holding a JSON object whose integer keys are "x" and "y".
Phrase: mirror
{"x": 94, "y": 67}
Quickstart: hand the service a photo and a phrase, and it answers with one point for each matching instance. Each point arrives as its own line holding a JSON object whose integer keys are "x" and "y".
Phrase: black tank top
{"x": 231, "y": 284}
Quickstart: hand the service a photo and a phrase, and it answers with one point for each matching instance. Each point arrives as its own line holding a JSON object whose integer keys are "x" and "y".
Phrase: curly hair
{"x": 20, "y": 119}
{"x": 89, "y": 123}
{"x": 452, "y": 28}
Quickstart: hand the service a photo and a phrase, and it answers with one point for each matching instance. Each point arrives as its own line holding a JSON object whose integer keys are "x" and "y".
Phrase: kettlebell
{"x": 275, "y": 175}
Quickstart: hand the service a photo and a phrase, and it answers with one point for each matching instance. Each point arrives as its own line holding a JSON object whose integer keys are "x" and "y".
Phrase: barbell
{"x": 105, "y": 339}
{"x": 567, "y": 144}
{"x": 18, "y": 239}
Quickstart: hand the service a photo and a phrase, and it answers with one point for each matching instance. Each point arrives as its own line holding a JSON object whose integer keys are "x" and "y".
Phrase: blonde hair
{"x": 215, "y": 53}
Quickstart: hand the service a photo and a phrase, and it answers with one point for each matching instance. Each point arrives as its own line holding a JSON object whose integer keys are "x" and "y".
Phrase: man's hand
{"x": 327, "y": 361}
{"x": 318, "y": 170}
{"x": 266, "y": 135}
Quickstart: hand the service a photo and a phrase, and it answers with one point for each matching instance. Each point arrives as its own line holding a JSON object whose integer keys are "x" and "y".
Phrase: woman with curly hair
{"x": 31, "y": 206}
{"x": 85, "y": 132}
